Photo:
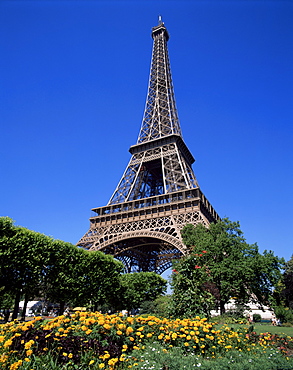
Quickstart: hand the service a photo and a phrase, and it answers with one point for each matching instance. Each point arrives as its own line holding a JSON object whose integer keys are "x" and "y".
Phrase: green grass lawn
{"x": 264, "y": 328}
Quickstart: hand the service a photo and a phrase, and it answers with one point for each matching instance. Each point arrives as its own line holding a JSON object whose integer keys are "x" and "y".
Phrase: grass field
{"x": 265, "y": 328}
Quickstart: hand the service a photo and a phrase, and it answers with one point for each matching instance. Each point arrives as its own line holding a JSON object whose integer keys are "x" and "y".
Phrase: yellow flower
{"x": 122, "y": 357}
{"x": 16, "y": 365}
{"x": 8, "y": 343}
{"x": 29, "y": 352}
{"x": 91, "y": 362}
{"x": 129, "y": 330}
{"x": 27, "y": 359}
{"x": 64, "y": 354}
{"x": 101, "y": 366}
{"x": 112, "y": 362}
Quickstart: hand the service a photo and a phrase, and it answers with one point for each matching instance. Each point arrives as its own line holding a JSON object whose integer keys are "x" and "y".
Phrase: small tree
{"x": 221, "y": 265}
{"x": 139, "y": 287}
{"x": 256, "y": 317}
{"x": 159, "y": 307}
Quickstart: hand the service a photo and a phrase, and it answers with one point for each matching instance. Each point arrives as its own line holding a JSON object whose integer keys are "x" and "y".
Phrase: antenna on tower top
{"x": 160, "y": 19}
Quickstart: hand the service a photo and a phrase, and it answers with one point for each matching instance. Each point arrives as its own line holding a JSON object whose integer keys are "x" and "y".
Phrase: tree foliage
{"x": 288, "y": 283}
{"x": 32, "y": 264}
{"x": 221, "y": 265}
{"x": 139, "y": 287}
{"x": 100, "y": 280}
{"x": 23, "y": 255}
{"x": 159, "y": 307}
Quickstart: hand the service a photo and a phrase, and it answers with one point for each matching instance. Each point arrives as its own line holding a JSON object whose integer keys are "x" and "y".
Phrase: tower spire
{"x": 160, "y": 115}
{"x": 161, "y": 162}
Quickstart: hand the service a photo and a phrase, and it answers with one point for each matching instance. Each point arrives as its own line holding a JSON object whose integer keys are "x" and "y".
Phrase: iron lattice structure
{"x": 158, "y": 193}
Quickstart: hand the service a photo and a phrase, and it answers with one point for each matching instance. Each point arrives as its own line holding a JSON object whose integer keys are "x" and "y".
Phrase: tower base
{"x": 145, "y": 234}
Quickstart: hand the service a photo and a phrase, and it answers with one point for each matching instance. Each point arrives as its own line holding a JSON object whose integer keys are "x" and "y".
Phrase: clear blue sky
{"x": 73, "y": 84}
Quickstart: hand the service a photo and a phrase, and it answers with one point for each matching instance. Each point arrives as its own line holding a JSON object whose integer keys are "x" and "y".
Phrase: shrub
{"x": 256, "y": 317}
{"x": 287, "y": 324}
{"x": 284, "y": 314}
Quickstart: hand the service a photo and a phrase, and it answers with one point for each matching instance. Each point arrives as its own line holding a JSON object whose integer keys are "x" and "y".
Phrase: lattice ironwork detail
{"x": 158, "y": 193}
{"x": 160, "y": 116}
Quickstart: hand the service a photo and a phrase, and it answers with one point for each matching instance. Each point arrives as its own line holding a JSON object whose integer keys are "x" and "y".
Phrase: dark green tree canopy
{"x": 288, "y": 283}
{"x": 33, "y": 264}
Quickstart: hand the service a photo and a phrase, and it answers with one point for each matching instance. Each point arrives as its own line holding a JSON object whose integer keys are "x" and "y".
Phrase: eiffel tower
{"x": 158, "y": 193}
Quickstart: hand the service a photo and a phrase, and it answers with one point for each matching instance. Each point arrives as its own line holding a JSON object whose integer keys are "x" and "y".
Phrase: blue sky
{"x": 73, "y": 84}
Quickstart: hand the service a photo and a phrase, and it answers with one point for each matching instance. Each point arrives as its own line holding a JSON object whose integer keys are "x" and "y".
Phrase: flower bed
{"x": 87, "y": 340}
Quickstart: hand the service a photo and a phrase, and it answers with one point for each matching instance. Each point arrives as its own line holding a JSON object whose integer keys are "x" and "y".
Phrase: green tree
{"x": 32, "y": 264}
{"x": 139, "y": 287}
{"x": 221, "y": 265}
{"x": 283, "y": 295}
{"x": 101, "y": 279}
{"x": 79, "y": 277}
{"x": 159, "y": 307}
{"x": 23, "y": 254}
{"x": 288, "y": 283}
{"x": 64, "y": 276}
